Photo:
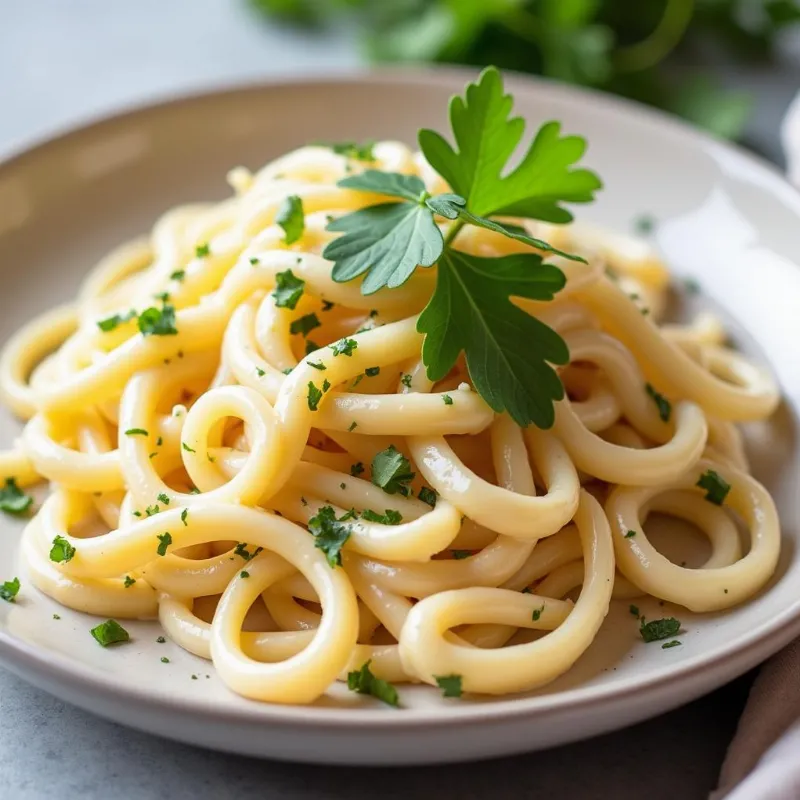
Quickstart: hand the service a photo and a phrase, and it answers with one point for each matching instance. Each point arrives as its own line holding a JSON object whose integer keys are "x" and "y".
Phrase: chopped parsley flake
{"x": 313, "y": 397}
{"x": 356, "y": 469}
{"x": 110, "y": 632}
{"x": 428, "y": 496}
{"x": 178, "y": 275}
{"x": 389, "y": 517}
{"x": 187, "y": 448}
{"x": 164, "y": 660}
{"x": 659, "y": 629}
{"x": 405, "y": 379}
{"x": 163, "y": 498}
{"x": 161, "y": 640}
{"x": 448, "y": 401}
{"x": 244, "y": 574}
{"x": 241, "y": 550}
{"x": 290, "y": 217}
{"x": 391, "y": 470}
{"x": 109, "y": 323}
{"x": 288, "y": 289}
{"x": 318, "y": 365}
{"x": 305, "y": 325}
{"x": 202, "y": 250}
{"x": 449, "y": 684}
{"x": 12, "y": 499}
{"x": 184, "y": 515}
{"x": 260, "y": 372}
{"x": 458, "y": 555}
{"x": 330, "y": 534}
{"x": 9, "y": 590}
{"x": 537, "y": 613}
{"x": 634, "y": 610}
{"x": 364, "y": 682}
{"x": 353, "y": 426}
{"x": 344, "y": 347}
{"x": 164, "y": 541}
{"x": 662, "y": 404}
{"x": 630, "y": 534}
{"x": 354, "y": 150}
{"x": 673, "y": 643}
{"x": 129, "y": 581}
{"x": 158, "y": 321}
{"x": 371, "y": 372}
{"x": 327, "y": 305}
{"x": 715, "y": 486}
{"x": 61, "y": 551}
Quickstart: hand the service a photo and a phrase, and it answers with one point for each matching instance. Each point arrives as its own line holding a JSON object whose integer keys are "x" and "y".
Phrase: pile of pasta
{"x": 232, "y": 462}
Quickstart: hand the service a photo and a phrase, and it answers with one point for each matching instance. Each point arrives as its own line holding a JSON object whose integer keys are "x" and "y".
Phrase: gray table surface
{"x": 64, "y": 60}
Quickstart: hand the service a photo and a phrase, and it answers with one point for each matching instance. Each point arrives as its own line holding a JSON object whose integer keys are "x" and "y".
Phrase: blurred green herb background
{"x": 635, "y": 48}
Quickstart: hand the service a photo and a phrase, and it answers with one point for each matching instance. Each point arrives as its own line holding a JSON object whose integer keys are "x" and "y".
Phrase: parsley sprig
{"x": 509, "y": 353}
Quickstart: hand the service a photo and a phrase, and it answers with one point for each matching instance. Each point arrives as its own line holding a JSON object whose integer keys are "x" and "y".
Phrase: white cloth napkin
{"x": 763, "y": 760}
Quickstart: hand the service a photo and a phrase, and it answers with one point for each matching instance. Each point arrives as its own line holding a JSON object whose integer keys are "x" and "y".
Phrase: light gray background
{"x": 62, "y": 61}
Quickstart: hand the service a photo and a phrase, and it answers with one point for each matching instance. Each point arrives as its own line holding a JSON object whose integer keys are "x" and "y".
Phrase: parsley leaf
{"x": 390, "y": 240}
{"x": 659, "y": 629}
{"x": 344, "y": 347}
{"x": 364, "y": 682}
{"x": 427, "y": 496}
{"x": 453, "y": 206}
{"x": 9, "y": 590}
{"x": 508, "y": 351}
{"x": 241, "y": 550}
{"x": 716, "y": 487}
{"x": 356, "y": 469}
{"x": 110, "y": 632}
{"x": 391, "y": 470}
{"x": 545, "y": 176}
{"x": 12, "y": 499}
{"x": 62, "y": 550}
{"x": 330, "y": 534}
{"x": 371, "y": 372}
{"x": 202, "y": 250}
{"x": 109, "y": 323}
{"x": 136, "y": 432}
{"x": 164, "y": 541}
{"x": 305, "y": 324}
{"x": 389, "y": 517}
{"x": 449, "y": 684}
{"x": 288, "y": 289}
{"x": 662, "y": 404}
{"x": 290, "y": 218}
{"x": 158, "y": 321}
{"x": 129, "y": 581}
{"x": 314, "y": 396}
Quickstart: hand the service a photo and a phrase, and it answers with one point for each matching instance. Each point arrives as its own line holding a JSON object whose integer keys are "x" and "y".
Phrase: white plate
{"x": 726, "y": 219}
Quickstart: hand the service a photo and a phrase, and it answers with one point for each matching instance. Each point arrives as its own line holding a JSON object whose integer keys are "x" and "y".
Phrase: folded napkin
{"x": 763, "y": 760}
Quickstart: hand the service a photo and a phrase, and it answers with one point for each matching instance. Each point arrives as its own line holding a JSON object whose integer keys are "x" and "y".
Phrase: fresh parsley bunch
{"x": 509, "y": 353}
{"x": 636, "y": 48}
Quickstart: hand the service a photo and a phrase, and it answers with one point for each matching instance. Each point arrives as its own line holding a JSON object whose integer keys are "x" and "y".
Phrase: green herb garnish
{"x": 449, "y": 684}
{"x": 110, "y": 632}
{"x": 715, "y": 486}
{"x": 136, "y": 432}
{"x": 358, "y": 152}
{"x": 391, "y": 470}
{"x": 109, "y": 323}
{"x": 61, "y": 551}
{"x": 448, "y": 401}
{"x": 129, "y": 581}
{"x": 427, "y": 496}
{"x": 9, "y": 590}
{"x": 389, "y": 516}
{"x": 330, "y": 534}
{"x": 662, "y": 404}
{"x": 314, "y": 396}
{"x": 659, "y": 629}
{"x": 164, "y": 541}
{"x": 13, "y": 500}
{"x": 364, "y": 682}
{"x": 158, "y": 321}
{"x": 344, "y": 347}
{"x": 202, "y": 250}
{"x": 290, "y": 217}
{"x": 305, "y": 325}
{"x": 288, "y": 289}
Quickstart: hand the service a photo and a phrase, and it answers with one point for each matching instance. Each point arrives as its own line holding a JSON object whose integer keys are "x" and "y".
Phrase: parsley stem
{"x": 454, "y": 230}
{"x": 657, "y": 46}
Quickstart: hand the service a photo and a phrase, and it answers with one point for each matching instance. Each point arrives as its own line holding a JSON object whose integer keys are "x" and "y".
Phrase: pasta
{"x": 191, "y": 463}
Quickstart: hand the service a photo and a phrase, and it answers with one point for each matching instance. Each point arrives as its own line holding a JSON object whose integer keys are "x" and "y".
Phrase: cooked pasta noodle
{"x": 189, "y": 465}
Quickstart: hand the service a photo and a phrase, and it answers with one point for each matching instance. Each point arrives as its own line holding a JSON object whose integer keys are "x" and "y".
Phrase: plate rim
{"x": 733, "y": 659}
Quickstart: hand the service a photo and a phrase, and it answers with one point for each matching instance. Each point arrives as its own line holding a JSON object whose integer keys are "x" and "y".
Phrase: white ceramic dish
{"x": 726, "y": 220}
